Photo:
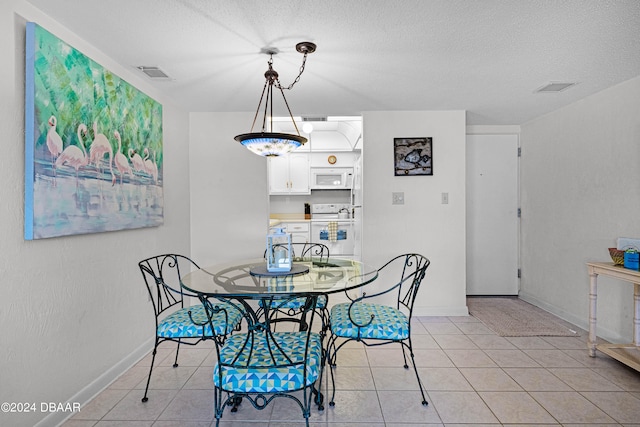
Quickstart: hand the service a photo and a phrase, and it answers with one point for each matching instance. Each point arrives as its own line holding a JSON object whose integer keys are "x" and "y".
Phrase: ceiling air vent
{"x": 555, "y": 87}
{"x": 154, "y": 72}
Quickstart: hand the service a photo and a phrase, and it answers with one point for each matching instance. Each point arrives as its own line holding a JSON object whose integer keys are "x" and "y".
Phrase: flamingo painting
{"x": 122, "y": 164}
{"x": 150, "y": 165}
{"x": 54, "y": 142}
{"x": 72, "y": 107}
{"x": 74, "y": 156}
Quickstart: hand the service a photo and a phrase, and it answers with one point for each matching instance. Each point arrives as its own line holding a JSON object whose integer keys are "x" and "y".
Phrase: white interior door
{"x": 492, "y": 215}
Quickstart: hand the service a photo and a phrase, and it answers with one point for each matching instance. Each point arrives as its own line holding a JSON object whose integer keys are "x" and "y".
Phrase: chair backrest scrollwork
{"x": 411, "y": 269}
{"x": 163, "y": 277}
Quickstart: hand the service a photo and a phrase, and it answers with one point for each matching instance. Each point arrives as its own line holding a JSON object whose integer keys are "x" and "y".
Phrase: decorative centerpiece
{"x": 279, "y": 252}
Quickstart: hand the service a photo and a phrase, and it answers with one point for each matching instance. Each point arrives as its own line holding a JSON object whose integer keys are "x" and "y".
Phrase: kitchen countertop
{"x": 275, "y": 219}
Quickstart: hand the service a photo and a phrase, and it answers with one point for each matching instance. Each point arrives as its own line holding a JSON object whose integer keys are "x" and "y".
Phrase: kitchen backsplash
{"x": 295, "y": 204}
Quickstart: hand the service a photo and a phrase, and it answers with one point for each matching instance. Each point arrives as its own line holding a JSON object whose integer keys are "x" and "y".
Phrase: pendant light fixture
{"x": 266, "y": 142}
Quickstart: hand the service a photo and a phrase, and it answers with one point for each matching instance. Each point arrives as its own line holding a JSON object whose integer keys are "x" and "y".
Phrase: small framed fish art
{"x": 413, "y": 156}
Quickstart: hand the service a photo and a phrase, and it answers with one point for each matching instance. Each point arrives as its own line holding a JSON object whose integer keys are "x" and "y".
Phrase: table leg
{"x": 593, "y": 304}
{"x": 636, "y": 315}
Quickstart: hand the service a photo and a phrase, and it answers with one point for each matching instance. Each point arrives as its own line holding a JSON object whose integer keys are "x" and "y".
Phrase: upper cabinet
{"x": 289, "y": 174}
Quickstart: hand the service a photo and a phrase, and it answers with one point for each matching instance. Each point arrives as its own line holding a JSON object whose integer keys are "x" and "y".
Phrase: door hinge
{"x": 519, "y": 212}
{"x": 519, "y": 273}
{"x": 519, "y": 151}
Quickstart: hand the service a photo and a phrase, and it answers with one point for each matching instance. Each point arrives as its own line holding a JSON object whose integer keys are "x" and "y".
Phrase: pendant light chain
{"x": 304, "y": 60}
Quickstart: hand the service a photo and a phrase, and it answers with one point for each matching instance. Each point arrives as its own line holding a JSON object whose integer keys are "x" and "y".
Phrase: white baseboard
{"x": 94, "y": 388}
{"x": 441, "y": 311}
{"x": 604, "y": 333}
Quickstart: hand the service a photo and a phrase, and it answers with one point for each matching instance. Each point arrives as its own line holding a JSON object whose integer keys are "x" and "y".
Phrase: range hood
{"x": 330, "y": 134}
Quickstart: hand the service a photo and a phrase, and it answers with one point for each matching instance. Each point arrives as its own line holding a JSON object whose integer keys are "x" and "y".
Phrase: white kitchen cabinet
{"x": 289, "y": 174}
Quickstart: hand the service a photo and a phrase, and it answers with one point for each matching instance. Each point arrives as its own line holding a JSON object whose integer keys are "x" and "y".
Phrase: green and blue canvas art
{"x": 93, "y": 145}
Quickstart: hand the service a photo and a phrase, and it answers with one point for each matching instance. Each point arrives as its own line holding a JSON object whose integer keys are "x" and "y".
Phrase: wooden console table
{"x": 629, "y": 354}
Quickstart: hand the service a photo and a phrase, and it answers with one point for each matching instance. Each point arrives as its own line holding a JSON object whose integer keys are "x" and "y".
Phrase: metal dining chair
{"x": 368, "y": 320}
{"x": 175, "y": 320}
{"x": 262, "y": 364}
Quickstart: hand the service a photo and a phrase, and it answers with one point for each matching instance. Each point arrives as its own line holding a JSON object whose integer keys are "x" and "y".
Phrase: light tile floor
{"x": 472, "y": 377}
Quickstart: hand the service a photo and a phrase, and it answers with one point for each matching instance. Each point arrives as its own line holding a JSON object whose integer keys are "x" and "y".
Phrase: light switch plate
{"x": 397, "y": 198}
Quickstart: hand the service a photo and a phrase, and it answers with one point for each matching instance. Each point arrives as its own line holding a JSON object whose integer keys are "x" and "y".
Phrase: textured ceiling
{"x": 485, "y": 56}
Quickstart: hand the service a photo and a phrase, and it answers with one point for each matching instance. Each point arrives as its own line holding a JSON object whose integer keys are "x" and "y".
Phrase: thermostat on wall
{"x": 332, "y": 159}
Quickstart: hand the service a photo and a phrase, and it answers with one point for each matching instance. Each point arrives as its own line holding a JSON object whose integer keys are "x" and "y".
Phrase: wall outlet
{"x": 397, "y": 198}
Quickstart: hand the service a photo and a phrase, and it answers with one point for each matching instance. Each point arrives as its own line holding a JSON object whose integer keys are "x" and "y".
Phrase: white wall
{"x": 229, "y": 197}
{"x": 74, "y": 310}
{"x": 580, "y": 191}
{"x": 422, "y": 224}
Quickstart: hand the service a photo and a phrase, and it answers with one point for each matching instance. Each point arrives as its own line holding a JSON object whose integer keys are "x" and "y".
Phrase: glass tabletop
{"x": 314, "y": 276}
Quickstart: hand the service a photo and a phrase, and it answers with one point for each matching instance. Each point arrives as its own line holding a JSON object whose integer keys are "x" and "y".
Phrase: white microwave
{"x": 331, "y": 178}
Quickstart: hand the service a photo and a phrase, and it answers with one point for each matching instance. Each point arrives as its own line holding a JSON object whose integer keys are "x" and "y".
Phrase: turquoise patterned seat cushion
{"x": 179, "y": 325}
{"x": 259, "y": 373}
{"x": 295, "y": 303}
{"x": 388, "y": 323}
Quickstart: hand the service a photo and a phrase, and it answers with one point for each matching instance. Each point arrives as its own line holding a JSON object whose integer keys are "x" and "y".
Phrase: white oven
{"x": 331, "y": 178}
{"x": 330, "y": 228}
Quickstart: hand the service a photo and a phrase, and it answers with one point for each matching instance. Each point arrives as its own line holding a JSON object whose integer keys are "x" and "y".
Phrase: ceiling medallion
{"x": 266, "y": 142}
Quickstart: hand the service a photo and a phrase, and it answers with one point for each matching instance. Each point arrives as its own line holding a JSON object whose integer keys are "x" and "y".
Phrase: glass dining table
{"x": 259, "y": 294}
{"x": 249, "y": 279}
